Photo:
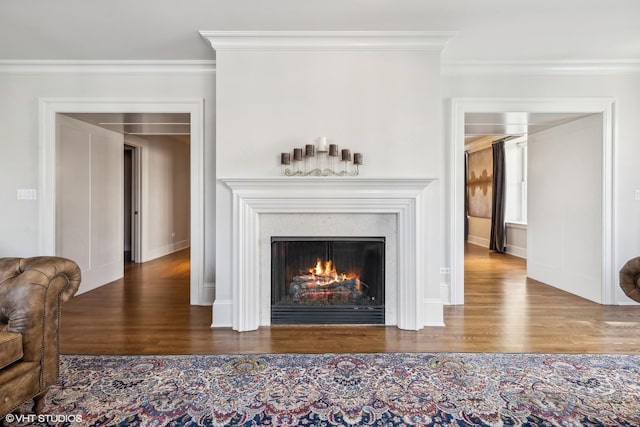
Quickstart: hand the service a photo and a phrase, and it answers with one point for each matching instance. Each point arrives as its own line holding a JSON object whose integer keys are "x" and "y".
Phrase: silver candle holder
{"x": 320, "y": 159}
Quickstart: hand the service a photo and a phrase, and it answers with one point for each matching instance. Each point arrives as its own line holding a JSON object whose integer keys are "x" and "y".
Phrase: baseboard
{"x": 478, "y": 241}
{"x": 100, "y": 276}
{"x": 433, "y": 312}
{"x": 627, "y": 303}
{"x": 517, "y": 251}
{"x": 151, "y": 254}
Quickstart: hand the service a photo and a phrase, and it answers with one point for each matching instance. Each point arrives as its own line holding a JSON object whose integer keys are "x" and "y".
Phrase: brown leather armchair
{"x": 630, "y": 278}
{"x": 32, "y": 291}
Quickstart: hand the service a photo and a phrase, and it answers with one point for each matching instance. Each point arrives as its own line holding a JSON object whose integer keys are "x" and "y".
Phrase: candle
{"x": 310, "y": 150}
{"x": 346, "y": 155}
{"x": 357, "y": 158}
{"x": 333, "y": 150}
{"x": 322, "y": 144}
{"x": 285, "y": 158}
{"x": 297, "y": 154}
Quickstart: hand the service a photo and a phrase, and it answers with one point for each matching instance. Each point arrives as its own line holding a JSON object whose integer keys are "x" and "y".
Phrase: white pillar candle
{"x": 323, "y": 144}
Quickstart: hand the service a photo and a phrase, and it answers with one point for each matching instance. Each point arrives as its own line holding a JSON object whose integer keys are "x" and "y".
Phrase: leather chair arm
{"x": 31, "y": 293}
{"x": 630, "y": 279}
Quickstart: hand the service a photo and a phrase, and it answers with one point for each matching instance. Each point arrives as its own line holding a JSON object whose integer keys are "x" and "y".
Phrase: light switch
{"x": 27, "y": 194}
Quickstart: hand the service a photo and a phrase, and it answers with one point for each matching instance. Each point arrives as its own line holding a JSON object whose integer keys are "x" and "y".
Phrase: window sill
{"x": 515, "y": 224}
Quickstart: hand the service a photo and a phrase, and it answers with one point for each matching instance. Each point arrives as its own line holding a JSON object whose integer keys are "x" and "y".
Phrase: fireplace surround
{"x": 404, "y": 210}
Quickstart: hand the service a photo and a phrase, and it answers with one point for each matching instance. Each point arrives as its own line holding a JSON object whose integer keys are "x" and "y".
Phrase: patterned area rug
{"x": 346, "y": 389}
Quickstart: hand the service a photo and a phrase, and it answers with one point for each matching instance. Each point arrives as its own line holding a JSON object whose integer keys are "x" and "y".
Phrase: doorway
{"x": 50, "y": 108}
{"x": 103, "y": 149}
{"x": 462, "y": 107}
{"x": 132, "y": 237}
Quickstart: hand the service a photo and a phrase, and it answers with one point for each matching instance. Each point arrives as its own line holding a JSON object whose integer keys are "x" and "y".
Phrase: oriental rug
{"x": 394, "y": 389}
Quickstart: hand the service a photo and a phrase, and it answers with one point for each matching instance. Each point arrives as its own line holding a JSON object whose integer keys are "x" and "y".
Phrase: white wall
{"x": 89, "y": 200}
{"x": 565, "y": 207}
{"x": 479, "y": 231}
{"x": 19, "y": 148}
{"x": 625, "y": 88}
{"x": 384, "y": 104}
{"x": 165, "y": 195}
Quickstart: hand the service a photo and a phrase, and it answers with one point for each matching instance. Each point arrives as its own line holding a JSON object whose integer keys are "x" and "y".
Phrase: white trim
{"x": 517, "y": 251}
{"x": 518, "y": 225}
{"x": 327, "y": 40}
{"x": 167, "y": 249}
{"x": 231, "y": 40}
{"x": 403, "y": 197}
{"x": 478, "y": 241}
{"x": 460, "y": 106}
{"x": 106, "y": 66}
{"x": 589, "y": 67}
{"x": 49, "y": 107}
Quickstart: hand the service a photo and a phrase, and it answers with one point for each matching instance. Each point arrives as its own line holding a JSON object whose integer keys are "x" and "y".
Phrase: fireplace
{"x": 403, "y": 210}
{"x": 328, "y": 280}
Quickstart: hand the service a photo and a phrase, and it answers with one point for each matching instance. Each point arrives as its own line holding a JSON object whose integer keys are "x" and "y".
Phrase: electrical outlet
{"x": 27, "y": 194}
{"x": 444, "y": 270}
{"x": 637, "y": 194}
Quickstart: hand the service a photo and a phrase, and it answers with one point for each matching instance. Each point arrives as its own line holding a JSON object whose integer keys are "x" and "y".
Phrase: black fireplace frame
{"x": 363, "y": 312}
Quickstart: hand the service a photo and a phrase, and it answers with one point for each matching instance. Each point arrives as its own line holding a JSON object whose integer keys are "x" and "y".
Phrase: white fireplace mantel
{"x": 404, "y": 197}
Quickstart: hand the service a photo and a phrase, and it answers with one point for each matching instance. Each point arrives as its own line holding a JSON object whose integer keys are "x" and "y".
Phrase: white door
{"x": 565, "y": 207}
{"x": 89, "y": 195}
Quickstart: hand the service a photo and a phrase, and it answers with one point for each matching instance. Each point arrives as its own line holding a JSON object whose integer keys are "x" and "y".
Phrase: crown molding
{"x": 327, "y": 40}
{"x": 449, "y": 68}
{"x": 501, "y": 67}
{"x": 107, "y": 66}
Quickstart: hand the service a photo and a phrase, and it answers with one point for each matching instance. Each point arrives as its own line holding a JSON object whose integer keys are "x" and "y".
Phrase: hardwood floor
{"x": 148, "y": 312}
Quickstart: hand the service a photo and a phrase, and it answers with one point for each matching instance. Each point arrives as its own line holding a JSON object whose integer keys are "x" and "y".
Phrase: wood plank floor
{"x": 148, "y": 312}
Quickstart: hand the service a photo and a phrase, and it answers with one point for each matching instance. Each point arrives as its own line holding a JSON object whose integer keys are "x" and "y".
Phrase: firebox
{"x": 329, "y": 280}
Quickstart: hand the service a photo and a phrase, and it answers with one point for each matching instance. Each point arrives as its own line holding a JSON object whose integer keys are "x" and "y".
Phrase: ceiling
{"x": 488, "y": 30}
{"x": 177, "y": 125}
{"x": 150, "y": 126}
{"x": 478, "y": 125}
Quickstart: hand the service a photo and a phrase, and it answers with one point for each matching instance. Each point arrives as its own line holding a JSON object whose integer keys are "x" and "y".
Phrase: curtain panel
{"x": 497, "y": 241}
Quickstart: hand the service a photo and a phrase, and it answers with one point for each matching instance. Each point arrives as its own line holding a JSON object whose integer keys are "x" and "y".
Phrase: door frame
{"x": 460, "y": 106}
{"x": 49, "y": 107}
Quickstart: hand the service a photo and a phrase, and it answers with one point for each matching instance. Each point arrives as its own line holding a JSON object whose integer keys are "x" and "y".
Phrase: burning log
{"x": 324, "y": 283}
{"x": 304, "y": 285}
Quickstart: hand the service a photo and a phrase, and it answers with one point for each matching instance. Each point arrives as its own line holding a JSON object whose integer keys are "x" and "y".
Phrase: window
{"x": 516, "y": 180}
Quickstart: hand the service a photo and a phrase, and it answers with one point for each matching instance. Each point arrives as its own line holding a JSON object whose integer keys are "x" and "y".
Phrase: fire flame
{"x": 323, "y": 283}
{"x": 329, "y": 273}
